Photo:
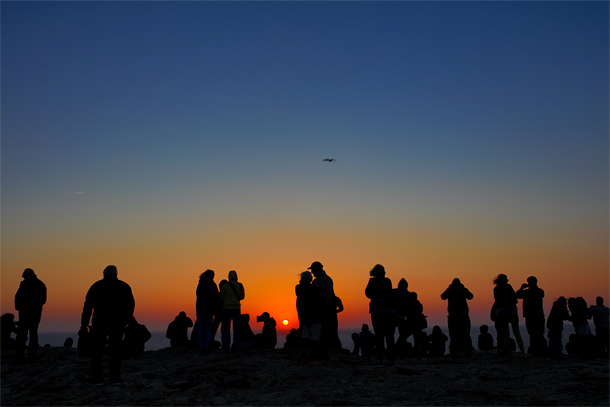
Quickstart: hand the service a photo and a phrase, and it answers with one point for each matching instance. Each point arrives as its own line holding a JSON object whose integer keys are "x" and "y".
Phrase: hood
{"x": 402, "y": 284}
{"x": 232, "y": 275}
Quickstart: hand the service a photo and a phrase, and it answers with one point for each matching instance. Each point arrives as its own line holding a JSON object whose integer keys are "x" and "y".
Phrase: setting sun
{"x": 285, "y": 322}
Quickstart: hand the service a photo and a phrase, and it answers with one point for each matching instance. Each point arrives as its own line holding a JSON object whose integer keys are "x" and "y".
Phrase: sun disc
{"x": 285, "y": 322}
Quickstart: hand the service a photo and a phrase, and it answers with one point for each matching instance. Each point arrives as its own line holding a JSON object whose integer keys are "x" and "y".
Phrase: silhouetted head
{"x": 599, "y": 301}
{"x": 68, "y": 342}
{"x": 377, "y": 271}
{"x": 484, "y": 329}
{"x": 110, "y": 271}
{"x": 403, "y": 285}
{"x": 437, "y": 330}
{"x": 245, "y": 318}
{"x": 182, "y": 314}
{"x": 531, "y": 280}
{"x": 501, "y": 279}
{"x": 306, "y": 277}
{"x": 316, "y": 268}
{"x": 232, "y": 275}
{"x": 8, "y": 317}
{"x": 562, "y": 299}
{"x": 456, "y": 281}
{"x": 413, "y": 295}
{"x": 365, "y": 327}
{"x": 28, "y": 273}
{"x": 208, "y": 274}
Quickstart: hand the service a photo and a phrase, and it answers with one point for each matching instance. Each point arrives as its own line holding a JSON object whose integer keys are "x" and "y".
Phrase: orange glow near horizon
{"x": 164, "y": 288}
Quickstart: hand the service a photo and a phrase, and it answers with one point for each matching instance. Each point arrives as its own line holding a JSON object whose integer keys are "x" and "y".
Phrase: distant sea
{"x": 159, "y": 341}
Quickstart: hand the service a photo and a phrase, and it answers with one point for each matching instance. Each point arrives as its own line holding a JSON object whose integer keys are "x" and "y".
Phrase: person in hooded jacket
{"x": 381, "y": 308}
{"x": 206, "y": 306}
{"x": 109, "y": 305}
{"x": 231, "y": 294}
{"x": 458, "y": 320}
{"x": 29, "y": 299}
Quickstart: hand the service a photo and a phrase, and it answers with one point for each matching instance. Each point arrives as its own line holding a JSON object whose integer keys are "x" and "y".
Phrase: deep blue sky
{"x": 165, "y": 123}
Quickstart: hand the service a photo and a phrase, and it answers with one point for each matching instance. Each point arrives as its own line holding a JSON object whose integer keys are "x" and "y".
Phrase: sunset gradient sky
{"x": 470, "y": 138}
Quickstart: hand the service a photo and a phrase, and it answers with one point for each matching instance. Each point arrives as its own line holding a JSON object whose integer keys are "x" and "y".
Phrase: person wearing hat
{"x": 29, "y": 299}
{"x": 109, "y": 305}
{"x": 329, "y": 309}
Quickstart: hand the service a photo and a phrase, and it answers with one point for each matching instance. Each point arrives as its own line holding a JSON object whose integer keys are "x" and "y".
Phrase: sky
{"x": 167, "y": 138}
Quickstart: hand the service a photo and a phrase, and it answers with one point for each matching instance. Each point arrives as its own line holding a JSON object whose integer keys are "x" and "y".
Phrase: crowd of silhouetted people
{"x": 108, "y": 325}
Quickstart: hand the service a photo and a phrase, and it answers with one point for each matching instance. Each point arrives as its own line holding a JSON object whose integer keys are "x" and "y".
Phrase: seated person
{"x": 485, "y": 341}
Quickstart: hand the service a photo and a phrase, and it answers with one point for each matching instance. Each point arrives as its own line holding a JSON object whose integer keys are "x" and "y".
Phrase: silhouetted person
{"x": 111, "y": 303}
{"x": 177, "y": 330}
{"x": 504, "y": 314}
{"x": 559, "y": 313}
{"x": 485, "y": 340}
{"x": 8, "y": 328}
{"x": 601, "y": 316}
{"x": 381, "y": 308}
{"x": 416, "y": 321}
{"x": 136, "y": 336}
{"x": 207, "y": 305}
{"x": 533, "y": 312}
{"x": 247, "y": 339}
{"x": 267, "y": 339}
{"x": 458, "y": 319}
{"x": 579, "y": 315}
{"x": 231, "y": 295}
{"x": 335, "y": 342}
{"x": 310, "y": 309}
{"x": 364, "y": 342}
{"x": 68, "y": 342}
{"x": 293, "y": 340}
{"x": 436, "y": 342}
{"x": 29, "y": 299}
{"x": 402, "y": 299}
{"x": 325, "y": 285}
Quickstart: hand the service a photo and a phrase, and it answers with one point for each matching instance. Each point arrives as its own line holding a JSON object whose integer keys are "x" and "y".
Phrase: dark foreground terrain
{"x": 175, "y": 377}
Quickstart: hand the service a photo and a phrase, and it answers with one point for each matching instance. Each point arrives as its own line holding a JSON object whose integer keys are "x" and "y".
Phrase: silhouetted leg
{"x": 98, "y": 341}
{"x": 114, "y": 347}
{"x": 235, "y": 317}
{"x": 515, "y": 326}
{"x": 378, "y": 329}
{"x": 225, "y": 330}
{"x": 216, "y": 323}
{"x": 33, "y": 343}
{"x": 22, "y": 337}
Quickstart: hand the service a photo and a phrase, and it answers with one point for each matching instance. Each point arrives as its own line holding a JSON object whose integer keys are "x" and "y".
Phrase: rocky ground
{"x": 177, "y": 377}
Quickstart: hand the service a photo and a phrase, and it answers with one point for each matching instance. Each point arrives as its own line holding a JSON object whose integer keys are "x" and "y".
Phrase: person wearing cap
{"x": 329, "y": 309}
{"x": 109, "y": 304}
{"x": 29, "y": 299}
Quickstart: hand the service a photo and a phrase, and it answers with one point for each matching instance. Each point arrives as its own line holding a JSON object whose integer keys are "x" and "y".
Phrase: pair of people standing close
{"x": 212, "y": 300}
{"x": 317, "y": 308}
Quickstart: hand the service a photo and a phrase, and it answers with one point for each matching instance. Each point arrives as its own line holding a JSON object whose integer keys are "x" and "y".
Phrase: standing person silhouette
{"x": 29, "y": 299}
{"x": 208, "y": 299}
{"x": 533, "y": 312}
{"x": 309, "y": 310}
{"x": 381, "y": 308}
{"x": 458, "y": 320}
{"x": 325, "y": 284}
{"x": 559, "y": 313}
{"x": 231, "y": 294}
{"x": 335, "y": 343}
{"x": 504, "y": 313}
{"x": 111, "y": 303}
{"x": 601, "y": 316}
